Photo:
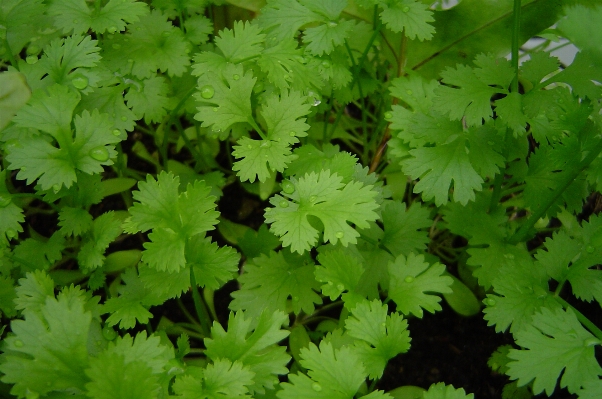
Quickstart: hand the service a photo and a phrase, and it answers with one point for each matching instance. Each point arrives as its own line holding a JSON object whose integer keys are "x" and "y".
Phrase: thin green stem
{"x": 187, "y": 314}
{"x": 582, "y": 318}
{"x": 524, "y": 230}
{"x": 199, "y": 306}
{"x": 515, "y": 46}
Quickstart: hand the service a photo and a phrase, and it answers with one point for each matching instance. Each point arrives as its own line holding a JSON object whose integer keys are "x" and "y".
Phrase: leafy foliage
{"x": 351, "y": 152}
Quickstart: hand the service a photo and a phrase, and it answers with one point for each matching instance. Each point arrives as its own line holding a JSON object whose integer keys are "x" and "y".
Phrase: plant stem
{"x": 581, "y": 317}
{"x": 200, "y": 308}
{"x": 523, "y": 231}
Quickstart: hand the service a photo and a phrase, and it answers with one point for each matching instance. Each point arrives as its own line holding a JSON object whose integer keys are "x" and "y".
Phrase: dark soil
{"x": 453, "y": 349}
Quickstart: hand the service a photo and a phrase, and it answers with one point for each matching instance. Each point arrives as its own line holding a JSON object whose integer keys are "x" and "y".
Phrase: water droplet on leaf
{"x": 508, "y": 256}
{"x": 339, "y": 234}
{"x": 109, "y": 333}
{"x": 266, "y": 144}
{"x": 116, "y": 46}
{"x": 236, "y": 76}
{"x": 409, "y": 279}
{"x": 316, "y": 102}
{"x": 283, "y": 204}
{"x": 11, "y": 233}
{"x": 19, "y": 343}
{"x": 332, "y": 24}
{"x": 215, "y": 109}
{"x": 288, "y": 187}
{"x": 326, "y": 64}
{"x": 33, "y": 49}
{"x": 296, "y": 298}
{"x": 56, "y": 188}
{"x": 79, "y": 82}
{"x": 112, "y": 29}
{"x": 313, "y": 198}
{"x": 5, "y": 200}
{"x": 292, "y": 134}
{"x": 316, "y": 387}
{"x": 409, "y": 92}
{"x": 490, "y": 302}
{"x": 249, "y": 146}
{"x": 124, "y": 118}
{"x": 31, "y": 59}
{"x": 116, "y": 132}
{"x": 589, "y": 249}
{"x": 388, "y": 115}
{"x": 207, "y": 92}
{"x": 99, "y": 153}
{"x": 330, "y": 283}
{"x": 405, "y": 9}
{"x": 340, "y": 287}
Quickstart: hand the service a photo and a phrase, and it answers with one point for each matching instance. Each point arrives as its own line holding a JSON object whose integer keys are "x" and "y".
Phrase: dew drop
{"x": 589, "y": 249}
{"x": 283, "y": 204}
{"x": 490, "y": 302}
{"x": 112, "y": 29}
{"x": 508, "y": 256}
{"x": 316, "y": 387}
{"x": 292, "y": 134}
{"x": 75, "y": 21}
{"x": 438, "y": 125}
{"x": 99, "y": 153}
{"x": 330, "y": 283}
{"x": 326, "y": 64}
{"x": 405, "y": 9}
{"x": 80, "y": 82}
{"x": 116, "y": 132}
{"x": 31, "y": 59}
{"x": 19, "y": 343}
{"x": 296, "y": 298}
{"x": 11, "y": 233}
{"x": 33, "y": 50}
{"x": 288, "y": 187}
{"x": 109, "y": 333}
{"x": 56, "y": 188}
{"x": 5, "y": 200}
{"x": 340, "y": 287}
{"x": 332, "y": 24}
{"x": 215, "y": 109}
{"x": 313, "y": 198}
{"x": 408, "y": 279}
{"x": 388, "y": 115}
{"x": 316, "y": 102}
{"x": 207, "y": 92}
{"x": 124, "y": 118}
{"x": 339, "y": 234}
{"x": 266, "y": 144}
{"x": 116, "y": 46}
{"x": 236, "y": 76}
{"x": 409, "y": 92}
{"x": 286, "y": 77}
{"x": 249, "y": 146}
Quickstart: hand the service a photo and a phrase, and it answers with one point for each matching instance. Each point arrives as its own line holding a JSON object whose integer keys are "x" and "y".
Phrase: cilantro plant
{"x": 392, "y": 153}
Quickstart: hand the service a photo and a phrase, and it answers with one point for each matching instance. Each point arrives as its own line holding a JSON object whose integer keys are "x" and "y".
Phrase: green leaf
{"x": 325, "y": 197}
{"x": 48, "y": 350}
{"x": 174, "y": 217}
{"x": 333, "y": 373}
{"x": 411, "y": 279}
{"x": 254, "y": 243}
{"x": 402, "y": 226}
{"x": 324, "y": 38}
{"x": 105, "y": 229}
{"x": 382, "y": 336}
{"x": 33, "y": 290}
{"x": 257, "y": 349}
{"x": 77, "y": 16}
{"x": 579, "y": 27}
{"x": 283, "y": 18}
{"x": 152, "y": 44}
{"x": 553, "y": 343}
{"x": 132, "y": 303}
{"x": 409, "y": 15}
{"x": 269, "y": 281}
{"x": 39, "y": 253}
{"x": 340, "y": 271}
{"x": 222, "y": 379}
{"x": 442, "y": 391}
{"x": 225, "y": 98}
{"x": 14, "y": 94}
{"x": 74, "y": 221}
{"x": 150, "y": 100}
{"x": 130, "y": 367}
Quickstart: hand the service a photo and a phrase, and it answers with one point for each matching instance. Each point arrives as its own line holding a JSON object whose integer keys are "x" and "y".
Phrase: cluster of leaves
{"x": 123, "y": 123}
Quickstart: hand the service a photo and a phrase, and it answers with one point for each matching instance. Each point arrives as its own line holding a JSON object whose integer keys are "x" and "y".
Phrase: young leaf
{"x": 174, "y": 217}
{"x": 381, "y": 337}
{"x": 411, "y": 278}
{"x": 402, "y": 226}
{"x": 340, "y": 271}
{"x": 257, "y": 349}
{"x": 79, "y": 17}
{"x": 222, "y": 379}
{"x": 33, "y": 290}
{"x": 49, "y": 349}
{"x": 269, "y": 281}
{"x": 333, "y": 374}
{"x": 442, "y": 391}
{"x": 105, "y": 229}
{"x": 555, "y": 342}
{"x": 410, "y": 16}
{"x": 325, "y": 197}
